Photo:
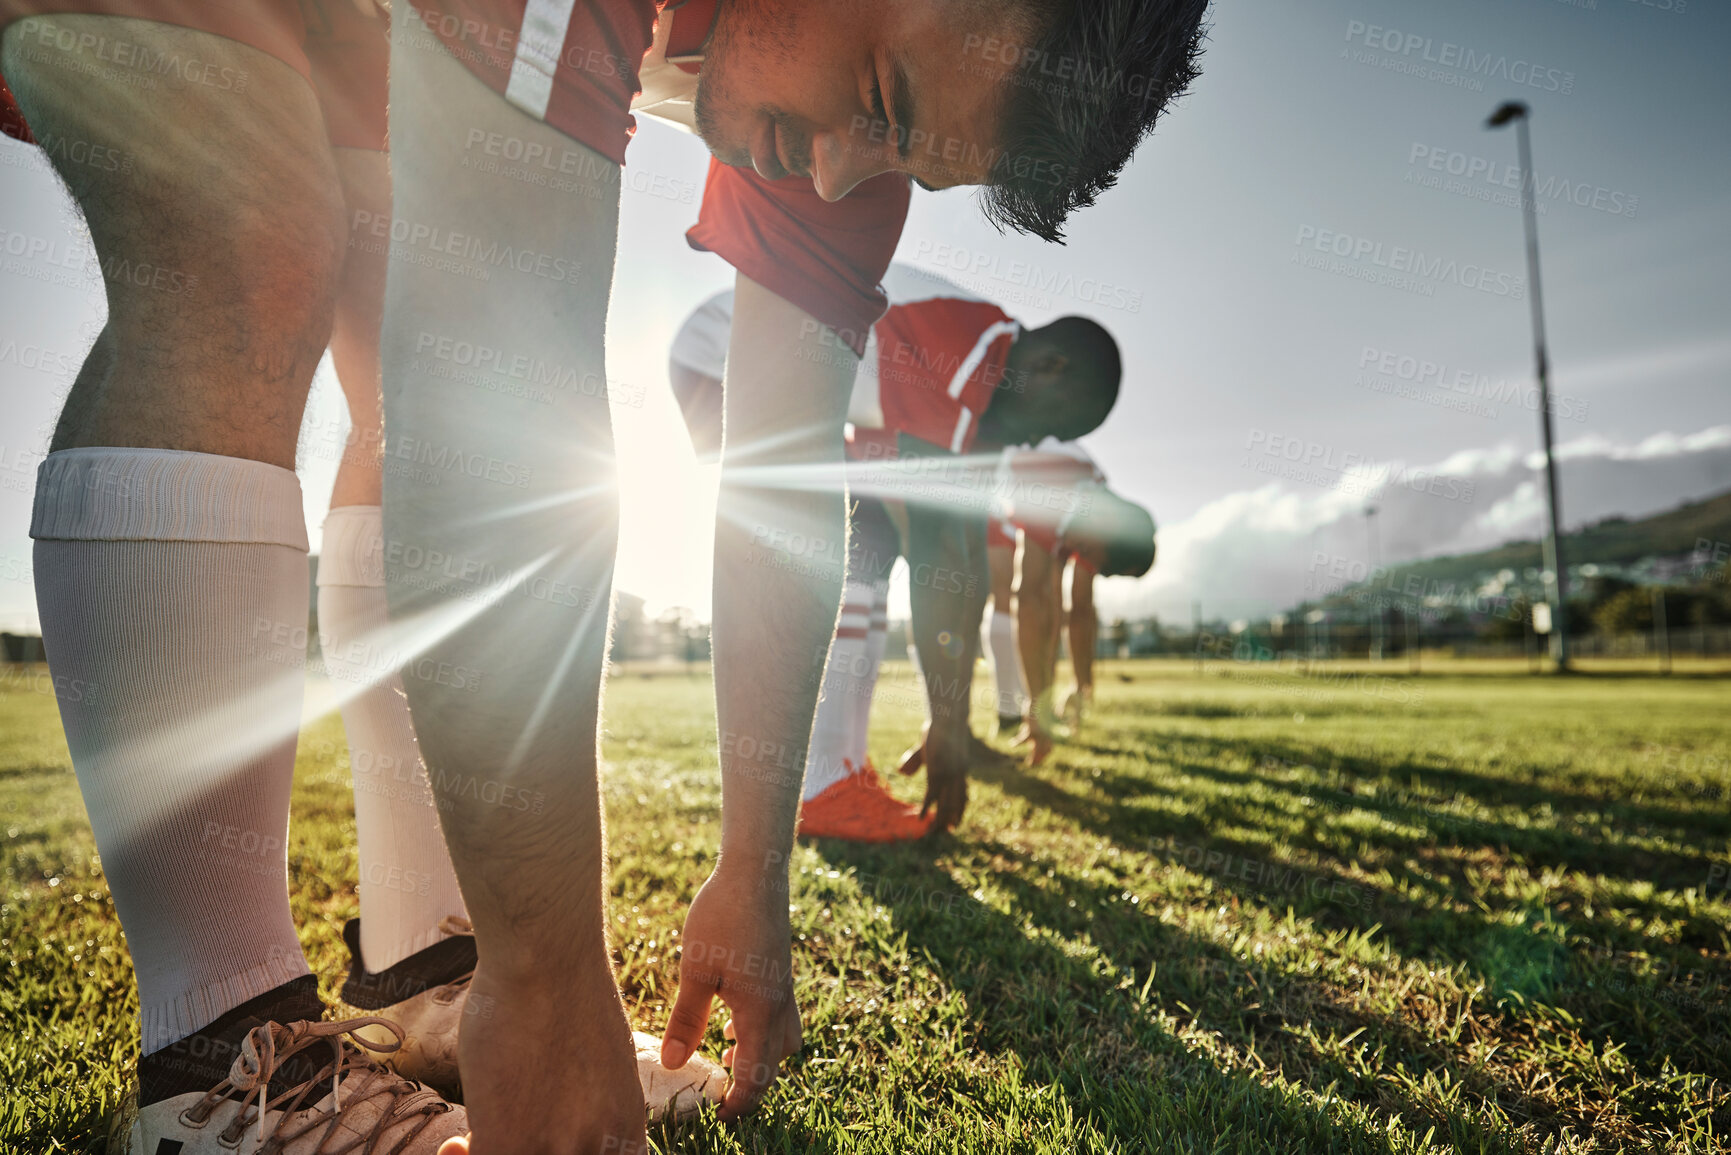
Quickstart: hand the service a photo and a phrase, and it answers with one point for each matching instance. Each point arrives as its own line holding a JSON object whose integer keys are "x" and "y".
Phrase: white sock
{"x": 1007, "y": 665}
{"x": 173, "y": 593}
{"x": 407, "y": 883}
{"x": 835, "y": 750}
{"x": 877, "y": 637}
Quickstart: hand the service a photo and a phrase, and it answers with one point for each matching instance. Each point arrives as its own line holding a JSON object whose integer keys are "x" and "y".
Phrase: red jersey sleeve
{"x": 826, "y": 257}
{"x": 11, "y": 118}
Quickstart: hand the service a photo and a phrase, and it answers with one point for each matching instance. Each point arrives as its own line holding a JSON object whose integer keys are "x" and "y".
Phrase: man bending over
{"x": 170, "y": 546}
{"x": 945, "y": 375}
{"x": 1053, "y": 499}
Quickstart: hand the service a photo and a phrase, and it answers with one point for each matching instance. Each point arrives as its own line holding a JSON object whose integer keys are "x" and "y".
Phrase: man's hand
{"x": 980, "y": 753}
{"x": 1037, "y": 738}
{"x": 945, "y": 753}
{"x": 738, "y": 946}
{"x": 913, "y": 759}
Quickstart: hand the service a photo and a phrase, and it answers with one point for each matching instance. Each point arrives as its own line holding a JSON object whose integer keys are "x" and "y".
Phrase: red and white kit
{"x": 582, "y": 68}
{"x": 929, "y": 369}
{"x": 1039, "y": 490}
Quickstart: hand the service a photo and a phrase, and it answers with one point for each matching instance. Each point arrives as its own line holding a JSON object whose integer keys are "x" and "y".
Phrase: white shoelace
{"x": 267, "y": 1047}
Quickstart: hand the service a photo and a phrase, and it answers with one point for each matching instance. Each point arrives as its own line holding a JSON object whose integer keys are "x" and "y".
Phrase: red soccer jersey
{"x": 929, "y": 370}
{"x": 584, "y": 68}
{"x": 932, "y": 365}
{"x": 1040, "y": 489}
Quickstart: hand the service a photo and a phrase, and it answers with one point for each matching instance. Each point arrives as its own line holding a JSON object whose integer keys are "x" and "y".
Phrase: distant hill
{"x": 1615, "y": 541}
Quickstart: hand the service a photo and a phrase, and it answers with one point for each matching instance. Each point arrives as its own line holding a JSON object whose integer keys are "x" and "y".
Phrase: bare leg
{"x": 1084, "y": 627}
{"x": 1006, "y": 658}
{"x": 396, "y": 820}
{"x": 204, "y": 350}
{"x": 1038, "y": 606}
{"x": 500, "y": 523}
{"x": 366, "y": 181}
{"x": 218, "y": 247}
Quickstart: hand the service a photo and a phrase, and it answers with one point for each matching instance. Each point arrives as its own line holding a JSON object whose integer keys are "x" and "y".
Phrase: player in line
{"x": 944, "y": 373}
{"x": 168, "y": 522}
{"x": 412, "y": 908}
{"x": 1042, "y": 540}
{"x": 1070, "y": 601}
{"x": 1050, "y": 507}
{"x": 407, "y": 886}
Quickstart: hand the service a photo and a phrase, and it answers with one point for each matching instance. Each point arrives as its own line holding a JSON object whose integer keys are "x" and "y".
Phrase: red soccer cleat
{"x": 860, "y": 809}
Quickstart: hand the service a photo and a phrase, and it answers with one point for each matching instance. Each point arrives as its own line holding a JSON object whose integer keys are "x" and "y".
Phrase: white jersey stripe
{"x": 960, "y": 439}
{"x": 539, "y": 45}
{"x": 993, "y": 332}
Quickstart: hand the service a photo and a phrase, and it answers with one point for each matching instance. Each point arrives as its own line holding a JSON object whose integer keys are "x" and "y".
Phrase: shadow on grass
{"x": 1524, "y": 952}
{"x": 1447, "y": 835}
{"x": 1398, "y": 801}
{"x": 1094, "y": 1035}
{"x": 1489, "y": 790}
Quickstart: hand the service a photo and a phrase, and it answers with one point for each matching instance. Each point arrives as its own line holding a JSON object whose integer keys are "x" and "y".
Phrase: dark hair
{"x": 1125, "y": 529}
{"x": 1094, "y": 371}
{"x": 1085, "y": 94}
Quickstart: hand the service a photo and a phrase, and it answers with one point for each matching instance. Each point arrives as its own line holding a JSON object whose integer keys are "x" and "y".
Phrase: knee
{"x": 365, "y": 181}
{"x": 242, "y": 296}
{"x": 215, "y": 216}
{"x": 289, "y": 288}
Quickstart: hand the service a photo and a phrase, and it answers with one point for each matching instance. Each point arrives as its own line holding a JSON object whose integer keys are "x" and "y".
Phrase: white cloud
{"x": 1254, "y": 551}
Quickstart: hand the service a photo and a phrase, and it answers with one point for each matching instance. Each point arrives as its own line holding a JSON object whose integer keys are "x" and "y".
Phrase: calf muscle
{"x": 217, "y": 245}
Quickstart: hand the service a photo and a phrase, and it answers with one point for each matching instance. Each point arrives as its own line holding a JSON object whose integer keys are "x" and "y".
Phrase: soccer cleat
{"x": 426, "y": 995}
{"x": 432, "y": 1014}
{"x": 675, "y": 1094}
{"x": 860, "y": 809}
{"x": 299, "y": 1088}
{"x": 1009, "y": 723}
{"x": 1038, "y": 741}
{"x": 1078, "y": 702}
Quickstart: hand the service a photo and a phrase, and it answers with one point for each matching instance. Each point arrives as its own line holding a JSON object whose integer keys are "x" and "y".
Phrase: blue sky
{"x": 1326, "y": 146}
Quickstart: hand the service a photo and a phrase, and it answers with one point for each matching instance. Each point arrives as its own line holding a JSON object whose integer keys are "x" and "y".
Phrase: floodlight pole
{"x": 1556, "y": 588}
{"x": 1370, "y": 528}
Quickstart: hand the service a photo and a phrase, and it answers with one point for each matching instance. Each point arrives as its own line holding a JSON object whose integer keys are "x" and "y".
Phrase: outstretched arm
{"x": 500, "y": 517}
{"x": 946, "y": 557}
{"x": 780, "y": 549}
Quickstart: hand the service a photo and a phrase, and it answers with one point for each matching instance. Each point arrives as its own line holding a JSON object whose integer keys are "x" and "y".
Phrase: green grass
{"x": 1236, "y": 912}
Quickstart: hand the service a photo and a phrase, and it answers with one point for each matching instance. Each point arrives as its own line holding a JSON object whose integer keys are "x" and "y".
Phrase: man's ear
{"x": 1050, "y": 362}
{"x": 1046, "y": 367}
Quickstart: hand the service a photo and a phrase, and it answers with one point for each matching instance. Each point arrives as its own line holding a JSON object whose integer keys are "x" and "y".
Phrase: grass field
{"x": 1239, "y": 911}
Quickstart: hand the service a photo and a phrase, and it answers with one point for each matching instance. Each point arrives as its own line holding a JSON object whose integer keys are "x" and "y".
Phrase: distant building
{"x": 22, "y": 648}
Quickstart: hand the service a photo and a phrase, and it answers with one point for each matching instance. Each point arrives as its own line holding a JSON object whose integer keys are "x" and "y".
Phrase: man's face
{"x": 1038, "y": 401}
{"x": 1028, "y": 420}
{"x": 842, "y": 90}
